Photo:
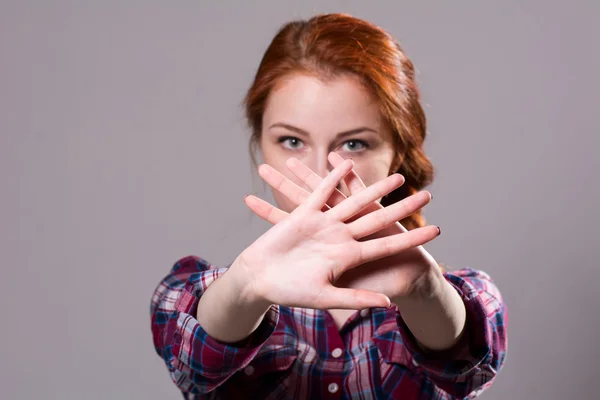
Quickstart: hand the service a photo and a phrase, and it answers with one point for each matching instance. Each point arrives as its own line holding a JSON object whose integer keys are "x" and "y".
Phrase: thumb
{"x": 353, "y": 299}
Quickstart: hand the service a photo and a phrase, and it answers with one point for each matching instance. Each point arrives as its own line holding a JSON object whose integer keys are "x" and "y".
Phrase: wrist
{"x": 245, "y": 285}
{"x": 437, "y": 320}
{"x": 228, "y": 310}
{"x": 431, "y": 285}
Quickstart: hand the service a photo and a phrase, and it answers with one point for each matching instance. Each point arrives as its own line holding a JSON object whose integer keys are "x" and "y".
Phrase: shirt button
{"x": 333, "y": 387}
{"x": 337, "y": 352}
{"x": 364, "y": 313}
{"x": 249, "y": 370}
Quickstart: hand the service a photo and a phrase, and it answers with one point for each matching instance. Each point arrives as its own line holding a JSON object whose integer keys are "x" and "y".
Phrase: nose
{"x": 321, "y": 166}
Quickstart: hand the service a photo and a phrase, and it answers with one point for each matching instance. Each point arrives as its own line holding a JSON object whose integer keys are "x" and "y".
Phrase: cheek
{"x": 372, "y": 172}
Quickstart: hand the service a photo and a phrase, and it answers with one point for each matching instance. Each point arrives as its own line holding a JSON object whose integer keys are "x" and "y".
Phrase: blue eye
{"x": 355, "y": 145}
{"x": 290, "y": 142}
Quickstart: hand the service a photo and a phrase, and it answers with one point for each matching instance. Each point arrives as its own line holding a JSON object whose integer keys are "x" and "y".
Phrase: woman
{"x": 338, "y": 299}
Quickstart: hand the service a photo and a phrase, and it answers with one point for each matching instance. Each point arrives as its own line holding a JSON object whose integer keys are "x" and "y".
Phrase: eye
{"x": 291, "y": 142}
{"x": 355, "y": 145}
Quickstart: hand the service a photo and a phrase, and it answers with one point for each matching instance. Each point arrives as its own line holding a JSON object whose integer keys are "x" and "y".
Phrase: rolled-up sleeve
{"x": 198, "y": 363}
{"x": 470, "y": 366}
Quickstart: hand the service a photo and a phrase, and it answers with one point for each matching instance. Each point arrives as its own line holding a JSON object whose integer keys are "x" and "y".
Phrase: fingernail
{"x": 439, "y": 231}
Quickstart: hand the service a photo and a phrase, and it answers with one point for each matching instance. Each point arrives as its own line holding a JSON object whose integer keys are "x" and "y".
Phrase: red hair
{"x": 332, "y": 45}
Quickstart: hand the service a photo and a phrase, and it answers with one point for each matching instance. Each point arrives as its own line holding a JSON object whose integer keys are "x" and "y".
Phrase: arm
{"x": 473, "y": 362}
{"x": 228, "y": 311}
{"x": 196, "y": 361}
{"x": 292, "y": 264}
{"x": 436, "y": 317}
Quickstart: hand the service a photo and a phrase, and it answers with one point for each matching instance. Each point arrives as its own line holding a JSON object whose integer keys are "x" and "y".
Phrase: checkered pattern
{"x": 299, "y": 353}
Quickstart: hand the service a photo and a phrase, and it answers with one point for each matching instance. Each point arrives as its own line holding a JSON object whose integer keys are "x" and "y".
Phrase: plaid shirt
{"x": 299, "y": 353}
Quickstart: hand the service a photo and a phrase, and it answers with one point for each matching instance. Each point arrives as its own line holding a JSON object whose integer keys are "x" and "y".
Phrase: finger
{"x": 284, "y": 185}
{"x": 352, "y": 180}
{"x": 386, "y": 246}
{"x": 352, "y": 299}
{"x": 355, "y": 203}
{"x": 384, "y": 217}
{"x": 354, "y": 184}
{"x": 313, "y": 180}
{"x": 322, "y": 193}
{"x": 265, "y": 210}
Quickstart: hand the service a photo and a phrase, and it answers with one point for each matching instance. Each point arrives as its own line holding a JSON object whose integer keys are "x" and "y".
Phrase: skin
{"x": 332, "y": 249}
{"x": 306, "y": 119}
{"x": 295, "y": 262}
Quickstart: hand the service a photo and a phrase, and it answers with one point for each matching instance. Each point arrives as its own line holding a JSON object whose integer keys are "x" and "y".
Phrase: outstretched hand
{"x": 297, "y": 261}
{"x": 397, "y": 274}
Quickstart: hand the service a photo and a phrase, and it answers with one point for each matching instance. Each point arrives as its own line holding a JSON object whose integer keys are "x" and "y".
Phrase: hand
{"x": 410, "y": 272}
{"x": 296, "y": 261}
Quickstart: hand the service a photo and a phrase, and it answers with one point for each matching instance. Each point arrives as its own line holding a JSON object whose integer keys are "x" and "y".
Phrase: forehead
{"x": 320, "y": 106}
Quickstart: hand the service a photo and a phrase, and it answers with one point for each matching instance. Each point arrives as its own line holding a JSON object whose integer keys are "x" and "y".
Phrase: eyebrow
{"x": 339, "y": 135}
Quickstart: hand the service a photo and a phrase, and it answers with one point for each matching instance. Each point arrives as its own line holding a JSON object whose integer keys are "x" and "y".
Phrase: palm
{"x": 394, "y": 275}
{"x": 297, "y": 261}
{"x": 317, "y": 248}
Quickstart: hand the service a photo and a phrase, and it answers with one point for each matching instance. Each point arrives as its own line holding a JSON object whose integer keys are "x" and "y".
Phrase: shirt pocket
{"x": 392, "y": 350}
{"x": 403, "y": 376}
{"x": 266, "y": 377}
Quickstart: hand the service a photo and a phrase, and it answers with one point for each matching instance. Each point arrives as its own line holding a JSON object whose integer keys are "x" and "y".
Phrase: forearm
{"x": 437, "y": 320}
{"x": 226, "y": 311}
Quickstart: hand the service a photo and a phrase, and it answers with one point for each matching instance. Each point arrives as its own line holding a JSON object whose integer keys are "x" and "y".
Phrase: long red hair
{"x": 331, "y": 45}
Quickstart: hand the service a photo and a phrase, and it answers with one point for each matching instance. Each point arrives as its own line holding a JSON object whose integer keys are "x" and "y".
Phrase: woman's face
{"x": 306, "y": 118}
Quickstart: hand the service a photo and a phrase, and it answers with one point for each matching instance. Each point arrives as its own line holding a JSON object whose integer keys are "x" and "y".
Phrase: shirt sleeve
{"x": 469, "y": 367}
{"x": 198, "y": 363}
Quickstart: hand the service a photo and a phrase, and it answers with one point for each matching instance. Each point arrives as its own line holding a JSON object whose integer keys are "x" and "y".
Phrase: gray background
{"x": 123, "y": 148}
